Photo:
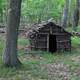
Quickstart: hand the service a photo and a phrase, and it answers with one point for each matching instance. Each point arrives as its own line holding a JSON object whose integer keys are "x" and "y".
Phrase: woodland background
{"x": 38, "y": 65}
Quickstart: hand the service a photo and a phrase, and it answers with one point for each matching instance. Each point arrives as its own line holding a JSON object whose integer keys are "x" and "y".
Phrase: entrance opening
{"x": 52, "y": 43}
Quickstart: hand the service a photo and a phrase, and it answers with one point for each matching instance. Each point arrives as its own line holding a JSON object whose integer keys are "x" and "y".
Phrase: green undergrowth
{"x": 75, "y": 41}
{"x": 70, "y": 29}
{"x": 34, "y": 65}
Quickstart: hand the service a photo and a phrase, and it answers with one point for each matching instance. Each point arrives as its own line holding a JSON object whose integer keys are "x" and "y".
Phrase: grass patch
{"x": 34, "y": 65}
{"x": 23, "y": 42}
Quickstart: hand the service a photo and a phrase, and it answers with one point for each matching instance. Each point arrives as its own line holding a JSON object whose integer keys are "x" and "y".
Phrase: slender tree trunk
{"x": 75, "y": 18}
{"x": 65, "y": 14}
{"x": 1, "y": 15}
{"x": 10, "y": 53}
{"x": 1, "y": 11}
{"x": 69, "y": 13}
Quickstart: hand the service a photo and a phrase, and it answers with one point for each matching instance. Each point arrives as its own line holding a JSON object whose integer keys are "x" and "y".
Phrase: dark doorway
{"x": 52, "y": 43}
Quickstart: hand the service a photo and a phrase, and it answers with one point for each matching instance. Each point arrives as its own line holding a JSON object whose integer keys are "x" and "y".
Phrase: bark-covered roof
{"x": 37, "y": 27}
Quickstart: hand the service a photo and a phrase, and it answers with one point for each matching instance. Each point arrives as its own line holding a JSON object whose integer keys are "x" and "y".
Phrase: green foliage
{"x": 3, "y": 6}
{"x": 0, "y": 4}
{"x": 75, "y": 41}
{"x": 38, "y": 10}
{"x": 35, "y": 11}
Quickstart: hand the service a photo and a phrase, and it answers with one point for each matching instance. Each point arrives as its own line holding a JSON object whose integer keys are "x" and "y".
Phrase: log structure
{"x": 49, "y": 37}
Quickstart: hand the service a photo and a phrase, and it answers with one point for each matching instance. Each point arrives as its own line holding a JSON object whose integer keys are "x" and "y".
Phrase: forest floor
{"x": 43, "y": 65}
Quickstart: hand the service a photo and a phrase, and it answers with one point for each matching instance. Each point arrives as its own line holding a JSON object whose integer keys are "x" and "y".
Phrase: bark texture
{"x": 75, "y": 18}
{"x": 65, "y": 14}
{"x": 10, "y": 52}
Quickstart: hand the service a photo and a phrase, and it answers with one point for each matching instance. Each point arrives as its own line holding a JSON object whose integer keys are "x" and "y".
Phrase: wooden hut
{"x": 49, "y": 37}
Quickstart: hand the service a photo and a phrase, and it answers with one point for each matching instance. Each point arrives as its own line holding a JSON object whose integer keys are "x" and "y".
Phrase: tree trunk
{"x": 75, "y": 18}
{"x": 1, "y": 15}
{"x": 10, "y": 53}
{"x": 1, "y": 11}
{"x": 65, "y": 14}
